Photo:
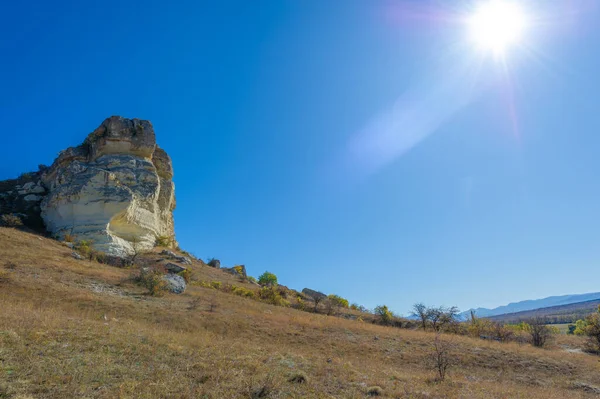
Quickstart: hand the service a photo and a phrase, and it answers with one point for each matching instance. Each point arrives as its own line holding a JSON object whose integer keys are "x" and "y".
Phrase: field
{"x": 80, "y": 329}
{"x": 563, "y": 328}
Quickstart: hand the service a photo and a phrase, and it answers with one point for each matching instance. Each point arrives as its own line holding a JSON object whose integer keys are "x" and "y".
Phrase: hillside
{"x": 76, "y": 328}
{"x": 532, "y": 304}
{"x": 554, "y": 314}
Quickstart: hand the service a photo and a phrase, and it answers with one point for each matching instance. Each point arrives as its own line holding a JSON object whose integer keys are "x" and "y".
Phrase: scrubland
{"x": 80, "y": 329}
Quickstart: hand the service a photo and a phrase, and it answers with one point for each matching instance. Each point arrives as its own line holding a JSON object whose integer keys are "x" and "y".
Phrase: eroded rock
{"x": 114, "y": 190}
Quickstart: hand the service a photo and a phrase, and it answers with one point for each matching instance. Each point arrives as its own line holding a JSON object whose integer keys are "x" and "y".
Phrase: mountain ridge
{"x": 532, "y": 304}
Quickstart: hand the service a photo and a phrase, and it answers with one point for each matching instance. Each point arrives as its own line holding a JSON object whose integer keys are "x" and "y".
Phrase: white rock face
{"x": 115, "y": 190}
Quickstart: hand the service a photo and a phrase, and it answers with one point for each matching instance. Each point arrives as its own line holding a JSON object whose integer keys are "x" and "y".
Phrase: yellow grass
{"x": 79, "y": 329}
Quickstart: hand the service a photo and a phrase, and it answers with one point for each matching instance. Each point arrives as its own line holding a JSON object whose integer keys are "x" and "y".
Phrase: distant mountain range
{"x": 531, "y": 305}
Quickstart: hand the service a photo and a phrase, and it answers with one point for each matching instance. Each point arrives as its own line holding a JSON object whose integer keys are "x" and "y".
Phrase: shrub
{"x": 69, "y": 237}
{"x": 592, "y": 330}
{"x": 384, "y": 314}
{"x": 239, "y": 270}
{"x": 298, "y": 378}
{"x": 252, "y": 279}
{"x": 186, "y": 274}
{"x": 298, "y": 303}
{"x": 338, "y": 301}
{"x": 10, "y": 266}
{"x": 374, "y": 391}
{"x": 84, "y": 247}
{"x": 242, "y": 291}
{"x": 580, "y": 327}
{"x": 539, "y": 332}
{"x": 216, "y": 284}
{"x": 164, "y": 241}
{"x": 271, "y": 295}
{"x": 267, "y": 279}
{"x": 10, "y": 220}
{"x": 152, "y": 279}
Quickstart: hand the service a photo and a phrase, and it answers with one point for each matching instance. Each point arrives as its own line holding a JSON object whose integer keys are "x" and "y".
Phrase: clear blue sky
{"x": 347, "y": 146}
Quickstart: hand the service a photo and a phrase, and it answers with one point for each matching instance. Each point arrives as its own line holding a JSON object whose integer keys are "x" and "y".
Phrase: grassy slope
{"x": 79, "y": 329}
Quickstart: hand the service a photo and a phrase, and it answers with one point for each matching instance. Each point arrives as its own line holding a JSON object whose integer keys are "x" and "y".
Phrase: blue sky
{"x": 347, "y": 146}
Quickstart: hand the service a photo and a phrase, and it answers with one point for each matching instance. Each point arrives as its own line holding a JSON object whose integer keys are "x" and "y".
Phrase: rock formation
{"x": 115, "y": 190}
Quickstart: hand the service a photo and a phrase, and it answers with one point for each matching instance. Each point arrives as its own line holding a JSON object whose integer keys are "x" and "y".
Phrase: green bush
{"x": 153, "y": 280}
{"x": 271, "y": 295}
{"x": 384, "y": 314}
{"x": 267, "y": 279}
{"x": 186, "y": 274}
{"x": 216, "y": 285}
{"x": 84, "y": 247}
{"x": 242, "y": 291}
{"x": 338, "y": 301}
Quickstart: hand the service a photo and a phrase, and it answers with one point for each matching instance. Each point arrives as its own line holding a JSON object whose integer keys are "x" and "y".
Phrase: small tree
{"x": 384, "y": 314}
{"x": 267, "y": 279}
{"x": 136, "y": 250}
{"x": 592, "y": 330}
{"x": 420, "y": 311}
{"x": 539, "y": 331}
{"x": 435, "y": 317}
{"x": 580, "y": 327}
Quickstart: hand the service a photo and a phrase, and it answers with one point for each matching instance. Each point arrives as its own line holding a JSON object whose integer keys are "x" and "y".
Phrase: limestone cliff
{"x": 114, "y": 190}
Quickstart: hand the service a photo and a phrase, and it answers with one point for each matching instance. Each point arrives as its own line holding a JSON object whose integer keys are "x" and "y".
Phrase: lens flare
{"x": 497, "y": 25}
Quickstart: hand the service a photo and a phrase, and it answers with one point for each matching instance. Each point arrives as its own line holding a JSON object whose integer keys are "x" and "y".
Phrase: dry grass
{"x": 81, "y": 329}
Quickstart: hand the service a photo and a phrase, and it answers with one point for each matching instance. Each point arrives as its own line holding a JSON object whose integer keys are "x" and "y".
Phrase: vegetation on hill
{"x": 553, "y": 315}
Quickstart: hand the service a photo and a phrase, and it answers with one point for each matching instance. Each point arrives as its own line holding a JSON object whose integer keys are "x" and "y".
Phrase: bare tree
{"x": 441, "y": 356}
{"x": 434, "y": 315}
{"x": 449, "y": 318}
{"x": 420, "y": 311}
{"x": 442, "y": 317}
{"x": 136, "y": 250}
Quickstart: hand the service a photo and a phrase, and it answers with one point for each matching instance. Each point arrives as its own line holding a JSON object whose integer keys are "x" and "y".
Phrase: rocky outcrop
{"x": 172, "y": 255}
{"x": 22, "y": 197}
{"x": 115, "y": 190}
{"x": 314, "y": 294}
{"x": 238, "y": 271}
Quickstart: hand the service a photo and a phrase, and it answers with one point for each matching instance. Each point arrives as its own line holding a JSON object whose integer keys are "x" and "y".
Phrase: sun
{"x": 497, "y": 25}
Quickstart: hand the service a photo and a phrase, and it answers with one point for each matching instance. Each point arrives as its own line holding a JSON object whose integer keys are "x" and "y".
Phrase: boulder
{"x": 216, "y": 263}
{"x": 239, "y": 270}
{"x": 175, "y": 284}
{"x": 313, "y": 294}
{"x": 174, "y": 268}
{"x": 172, "y": 255}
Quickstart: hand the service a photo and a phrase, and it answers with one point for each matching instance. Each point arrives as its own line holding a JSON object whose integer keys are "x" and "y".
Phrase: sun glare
{"x": 497, "y": 25}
